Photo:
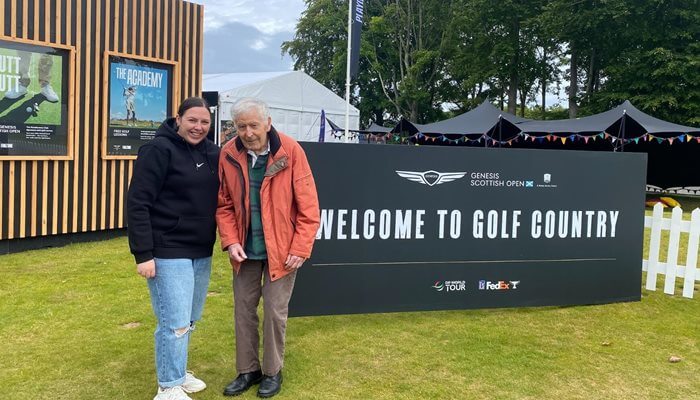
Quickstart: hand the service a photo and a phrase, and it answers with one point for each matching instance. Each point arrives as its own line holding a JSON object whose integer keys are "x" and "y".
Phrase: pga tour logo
{"x": 431, "y": 178}
{"x": 499, "y": 285}
{"x": 450, "y": 286}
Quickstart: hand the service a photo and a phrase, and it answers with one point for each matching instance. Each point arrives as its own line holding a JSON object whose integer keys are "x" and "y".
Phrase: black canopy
{"x": 484, "y": 119}
{"x": 624, "y": 121}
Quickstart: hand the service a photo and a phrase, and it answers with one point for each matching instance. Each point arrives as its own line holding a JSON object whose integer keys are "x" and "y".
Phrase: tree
{"x": 419, "y": 56}
{"x": 658, "y": 70}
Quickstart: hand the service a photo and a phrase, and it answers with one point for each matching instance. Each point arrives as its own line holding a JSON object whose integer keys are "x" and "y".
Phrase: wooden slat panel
{"x": 86, "y": 192}
{"x": 158, "y": 17}
{"x": 86, "y": 119}
{"x": 2, "y": 195}
{"x": 200, "y": 43}
{"x": 22, "y": 199}
{"x": 120, "y": 205}
{"x": 33, "y": 204}
{"x": 44, "y": 197}
{"x": 67, "y": 164}
{"x": 125, "y": 16}
{"x": 112, "y": 191}
{"x": 59, "y": 6}
{"x": 54, "y": 202}
{"x": 78, "y": 126}
{"x": 95, "y": 112}
{"x": 104, "y": 163}
{"x": 2, "y": 30}
{"x": 142, "y": 28}
{"x": 35, "y": 20}
{"x": 133, "y": 26}
{"x": 11, "y": 202}
{"x": 13, "y": 17}
{"x": 186, "y": 60}
{"x": 25, "y": 20}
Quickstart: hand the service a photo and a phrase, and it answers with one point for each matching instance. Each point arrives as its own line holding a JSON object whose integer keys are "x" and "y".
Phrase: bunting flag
{"x": 683, "y": 138}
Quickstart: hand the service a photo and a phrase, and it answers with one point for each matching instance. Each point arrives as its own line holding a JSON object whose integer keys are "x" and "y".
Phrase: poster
{"x": 139, "y": 99}
{"x": 34, "y": 93}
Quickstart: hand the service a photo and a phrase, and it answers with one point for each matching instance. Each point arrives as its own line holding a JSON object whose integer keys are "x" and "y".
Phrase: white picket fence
{"x": 689, "y": 272}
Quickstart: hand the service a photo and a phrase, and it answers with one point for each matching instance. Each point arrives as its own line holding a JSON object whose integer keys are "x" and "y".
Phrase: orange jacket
{"x": 289, "y": 203}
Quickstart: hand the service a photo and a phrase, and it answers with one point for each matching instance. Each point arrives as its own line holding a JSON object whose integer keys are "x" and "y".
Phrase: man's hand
{"x": 147, "y": 269}
{"x": 293, "y": 262}
{"x": 236, "y": 253}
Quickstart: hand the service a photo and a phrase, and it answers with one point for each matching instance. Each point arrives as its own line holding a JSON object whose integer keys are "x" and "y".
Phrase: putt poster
{"x": 140, "y": 98}
{"x": 33, "y": 100}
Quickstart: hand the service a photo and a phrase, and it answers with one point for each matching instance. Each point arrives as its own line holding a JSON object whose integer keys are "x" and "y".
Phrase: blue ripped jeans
{"x": 178, "y": 292}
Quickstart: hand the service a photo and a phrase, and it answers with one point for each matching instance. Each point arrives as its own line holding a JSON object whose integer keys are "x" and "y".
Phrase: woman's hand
{"x": 147, "y": 269}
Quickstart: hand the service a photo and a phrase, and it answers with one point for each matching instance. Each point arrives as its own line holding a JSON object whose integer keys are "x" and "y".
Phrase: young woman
{"x": 171, "y": 206}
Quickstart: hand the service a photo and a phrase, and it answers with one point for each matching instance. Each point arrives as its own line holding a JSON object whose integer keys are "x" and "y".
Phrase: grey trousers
{"x": 248, "y": 287}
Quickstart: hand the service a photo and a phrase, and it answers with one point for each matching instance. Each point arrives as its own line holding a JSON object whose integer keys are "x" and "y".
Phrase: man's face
{"x": 252, "y": 129}
{"x": 194, "y": 125}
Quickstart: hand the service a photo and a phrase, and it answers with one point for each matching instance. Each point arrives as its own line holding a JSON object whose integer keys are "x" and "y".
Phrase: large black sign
{"x": 435, "y": 228}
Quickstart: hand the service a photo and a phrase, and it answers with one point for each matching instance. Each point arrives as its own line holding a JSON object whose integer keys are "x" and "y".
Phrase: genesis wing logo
{"x": 431, "y": 178}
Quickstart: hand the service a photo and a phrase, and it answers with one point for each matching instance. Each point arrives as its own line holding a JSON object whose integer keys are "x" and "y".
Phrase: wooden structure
{"x": 86, "y": 191}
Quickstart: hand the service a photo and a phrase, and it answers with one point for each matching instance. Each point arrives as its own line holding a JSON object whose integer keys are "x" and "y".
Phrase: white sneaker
{"x": 14, "y": 94}
{"x": 172, "y": 393}
{"x": 193, "y": 384}
{"x": 49, "y": 93}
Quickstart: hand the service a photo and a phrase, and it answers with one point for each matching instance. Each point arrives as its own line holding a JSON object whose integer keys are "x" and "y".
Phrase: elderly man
{"x": 268, "y": 217}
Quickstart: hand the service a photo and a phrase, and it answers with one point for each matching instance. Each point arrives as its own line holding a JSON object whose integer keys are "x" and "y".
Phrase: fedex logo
{"x": 499, "y": 285}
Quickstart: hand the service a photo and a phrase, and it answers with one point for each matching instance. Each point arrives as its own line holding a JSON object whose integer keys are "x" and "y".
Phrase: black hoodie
{"x": 171, "y": 203}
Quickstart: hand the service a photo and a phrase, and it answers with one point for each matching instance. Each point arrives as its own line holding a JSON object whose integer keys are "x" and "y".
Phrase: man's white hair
{"x": 247, "y": 104}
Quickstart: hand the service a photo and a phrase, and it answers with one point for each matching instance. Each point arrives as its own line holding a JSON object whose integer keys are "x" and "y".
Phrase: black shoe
{"x": 270, "y": 385}
{"x": 243, "y": 382}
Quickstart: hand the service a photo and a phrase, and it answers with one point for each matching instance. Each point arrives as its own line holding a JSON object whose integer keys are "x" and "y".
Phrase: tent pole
{"x": 347, "y": 76}
{"x": 622, "y": 129}
{"x": 621, "y": 132}
{"x": 500, "y": 136}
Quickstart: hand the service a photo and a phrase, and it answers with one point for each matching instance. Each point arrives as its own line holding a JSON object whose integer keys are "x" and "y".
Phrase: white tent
{"x": 295, "y": 100}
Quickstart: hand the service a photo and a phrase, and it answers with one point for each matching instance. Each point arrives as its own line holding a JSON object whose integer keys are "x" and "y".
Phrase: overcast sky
{"x": 246, "y": 35}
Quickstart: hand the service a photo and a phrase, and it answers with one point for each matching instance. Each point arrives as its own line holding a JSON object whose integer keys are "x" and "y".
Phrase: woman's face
{"x": 194, "y": 125}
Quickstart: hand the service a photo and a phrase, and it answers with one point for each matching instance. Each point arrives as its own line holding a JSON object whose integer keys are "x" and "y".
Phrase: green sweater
{"x": 255, "y": 245}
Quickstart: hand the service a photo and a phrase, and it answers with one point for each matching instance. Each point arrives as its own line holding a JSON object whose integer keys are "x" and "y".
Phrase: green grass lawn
{"x": 77, "y": 324}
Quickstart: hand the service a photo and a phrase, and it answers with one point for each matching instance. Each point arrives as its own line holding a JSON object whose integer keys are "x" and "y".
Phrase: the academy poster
{"x": 33, "y": 100}
{"x": 140, "y": 98}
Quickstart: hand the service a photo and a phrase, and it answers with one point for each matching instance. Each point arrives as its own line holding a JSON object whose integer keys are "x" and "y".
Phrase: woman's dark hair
{"x": 191, "y": 102}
